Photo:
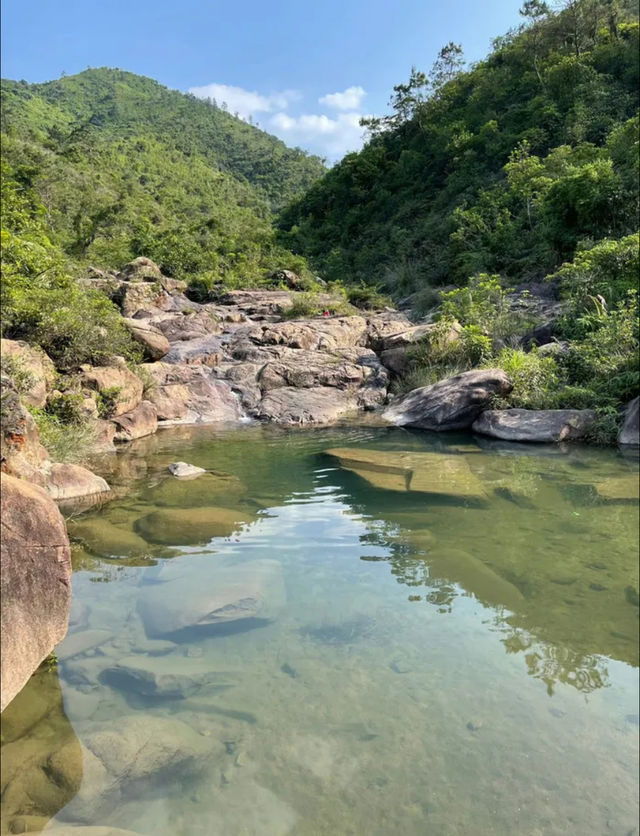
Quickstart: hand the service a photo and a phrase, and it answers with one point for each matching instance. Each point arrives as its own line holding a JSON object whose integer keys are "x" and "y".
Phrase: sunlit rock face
{"x": 35, "y": 581}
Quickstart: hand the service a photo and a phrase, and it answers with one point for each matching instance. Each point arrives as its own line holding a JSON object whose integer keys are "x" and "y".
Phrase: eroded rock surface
{"x": 450, "y": 404}
{"x": 536, "y": 425}
{"x": 35, "y": 581}
{"x": 630, "y": 432}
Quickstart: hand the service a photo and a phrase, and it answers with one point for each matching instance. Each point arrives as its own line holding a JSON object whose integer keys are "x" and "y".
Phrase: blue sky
{"x": 305, "y": 71}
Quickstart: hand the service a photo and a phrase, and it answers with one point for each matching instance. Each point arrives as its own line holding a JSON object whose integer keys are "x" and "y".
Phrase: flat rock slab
{"x": 535, "y": 425}
{"x": 432, "y": 473}
{"x": 104, "y": 539}
{"x": 619, "y": 487}
{"x": 450, "y": 404}
{"x": 207, "y": 595}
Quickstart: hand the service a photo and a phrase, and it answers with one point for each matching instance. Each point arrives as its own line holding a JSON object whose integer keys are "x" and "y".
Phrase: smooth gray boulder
{"x": 450, "y": 404}
{"x": 536, "y": 425}
{"x": 630, "y": 432}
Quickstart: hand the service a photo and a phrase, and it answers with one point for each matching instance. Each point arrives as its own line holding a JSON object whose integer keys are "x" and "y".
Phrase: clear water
{"x": 426, "y": 664}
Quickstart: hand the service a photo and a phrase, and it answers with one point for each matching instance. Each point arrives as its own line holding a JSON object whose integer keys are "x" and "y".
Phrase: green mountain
{"x": 508, "y": 167}
{"x": 123, "y": 167}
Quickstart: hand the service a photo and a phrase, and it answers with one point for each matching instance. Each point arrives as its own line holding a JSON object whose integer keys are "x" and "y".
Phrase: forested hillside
{"x": 124, "y": 167}
{"x": 506, "y": 167}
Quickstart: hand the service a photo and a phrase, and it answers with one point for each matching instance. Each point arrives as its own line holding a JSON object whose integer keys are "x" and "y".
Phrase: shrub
{"x": 535, "y": 378}
{"x": 484, "y": 304}
{"x": 107, "y": 401}
{"x": 65, "y": 442}
{"x": 307, "y": 305}
{"x": 367, "y": 297}
{"x": 21, "y": 377}
{"x": 67, "y": 408}
{"x": 609, "y": 269}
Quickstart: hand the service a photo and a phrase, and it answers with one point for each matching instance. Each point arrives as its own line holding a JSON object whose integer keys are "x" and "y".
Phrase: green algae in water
{"x": 433, "y": 663}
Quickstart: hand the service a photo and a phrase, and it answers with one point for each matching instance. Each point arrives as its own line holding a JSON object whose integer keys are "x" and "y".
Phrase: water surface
{"x": 463, "y": 662}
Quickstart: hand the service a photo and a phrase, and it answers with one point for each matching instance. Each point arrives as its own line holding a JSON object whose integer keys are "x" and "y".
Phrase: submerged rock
{"x": 101, "y": 537}
{"x": 451, "y": 404}
{"x": 209, "y": 595}
{"x": 167, "y": 677}
{"x": 35, "y": 581}
{"x": 619, "y": 487}
{"x": 395, "y": 470}
{"x": 536, "y": 425}
{"x": 196, "y": 492}
{"x": 188, "y": 526}
{"x": 476, "y": 577}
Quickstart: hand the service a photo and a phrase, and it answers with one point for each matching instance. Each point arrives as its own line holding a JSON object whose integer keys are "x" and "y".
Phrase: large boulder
{"x": 541, "y": 425}
{"x": 31, "y": 363}
{"x": 35, "y": 581}
{"x": 450, "y": 404}
{"x": 154, "y": 343}
{"x": 314, "y": 334}
{"x": 72, "y": 481}
{"x": 118, "y": 382}
{"x": 298, "y": 407}
{"x": 141, "y": 421}
{"x": 629, "y": 434}
{"x": 396, "y": 348}
{"x": 141, "y": 269}
{"x": 189, "y": 394}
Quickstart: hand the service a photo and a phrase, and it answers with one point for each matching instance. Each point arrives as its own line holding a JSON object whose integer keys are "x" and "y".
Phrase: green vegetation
{"x": 506, "y": 168}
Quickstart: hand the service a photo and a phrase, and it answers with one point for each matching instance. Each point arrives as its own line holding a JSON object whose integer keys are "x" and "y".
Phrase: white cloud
{"x": 246, "y": 102}
{"x": 349, "y": 99}
{"x": 330, "y": 137}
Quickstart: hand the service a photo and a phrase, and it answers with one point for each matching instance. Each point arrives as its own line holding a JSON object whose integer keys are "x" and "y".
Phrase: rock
{"x": 555, "y": 349}
{"x": 288, "y": 277}
{"x": 298, "y": 407}
{"x": 152, "y": 340}
{"x": 35, "y": 581}
{"x": 104, "y": 539}
{"x": 187, "y": 325}
{"x": 122, "y": 386}
{"x": 119, "y": 760}
{"x": 188, "y": 526}
{"x": 434, "y": 473}
{"x": 541, "y": 335}
{"x": 450, "y": 404}
{"x": 34, "y": 366}
{"x": 536, "y": 425}
{"x": 191, "y": 394}
{"x": 105, "y": 433}
{"x": 629, "y": 434}
{"x": 182, "y": 470}
{"x": 313, "y": 335}
{"x": 141, "y": 421}
{"x": 69, "y": 481}
{"x": 140, "y": 269}
{"x": 132, "y": 297}
{"x": 259, "y": 303}
{"x": 168, "y": 677}
{"x": 201, "y": 351}
{"x": 212, "y": 596}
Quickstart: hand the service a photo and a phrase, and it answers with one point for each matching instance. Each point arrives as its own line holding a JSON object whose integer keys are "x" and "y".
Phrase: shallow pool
{"x": 342, "y": 631}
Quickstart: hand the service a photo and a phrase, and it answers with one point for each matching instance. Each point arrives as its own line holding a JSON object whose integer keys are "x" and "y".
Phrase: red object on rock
{"x": 326, "y": 313}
